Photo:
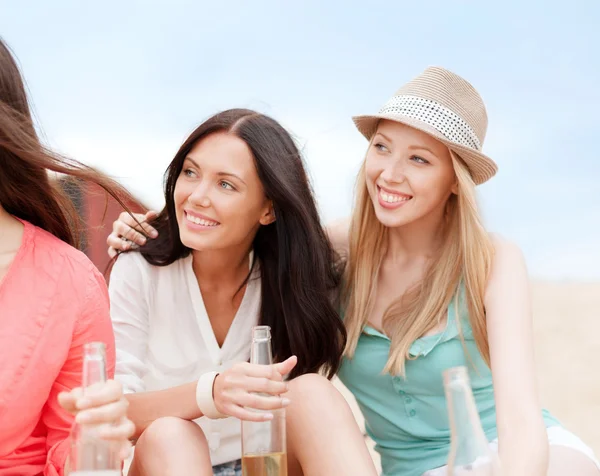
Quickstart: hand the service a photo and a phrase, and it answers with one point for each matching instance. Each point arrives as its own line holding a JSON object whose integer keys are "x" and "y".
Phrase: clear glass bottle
{"x": 91, "y": 455}
{"x": 470, "y": 453}
{"x": 264, "y": 443}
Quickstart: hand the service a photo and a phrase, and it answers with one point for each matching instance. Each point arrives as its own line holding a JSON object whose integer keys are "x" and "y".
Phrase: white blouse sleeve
{"x": 128, "y": 289}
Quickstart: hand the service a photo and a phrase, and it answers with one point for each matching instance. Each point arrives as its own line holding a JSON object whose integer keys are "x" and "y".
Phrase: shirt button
{"x": 402, "y": 392}
{"x": 408, "y": 400}
{"x": 412, "y": 413}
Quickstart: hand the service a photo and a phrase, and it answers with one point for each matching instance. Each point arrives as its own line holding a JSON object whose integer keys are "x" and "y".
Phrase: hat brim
{"x": 481, "y": 167}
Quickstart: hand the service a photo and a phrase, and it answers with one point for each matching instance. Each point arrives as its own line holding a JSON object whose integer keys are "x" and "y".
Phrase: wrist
{"x": 205, "y": 396}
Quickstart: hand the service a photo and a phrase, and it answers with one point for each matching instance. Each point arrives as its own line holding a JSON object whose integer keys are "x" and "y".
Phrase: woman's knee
{"x": 312, "y": 384}
{"x": 317, "y": 392}
{"x": 170, "y": 432}
{"x": 167, "y": 446}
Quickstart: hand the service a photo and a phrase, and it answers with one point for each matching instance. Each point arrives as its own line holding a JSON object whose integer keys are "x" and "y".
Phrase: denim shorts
{"x": 233, "y": 468}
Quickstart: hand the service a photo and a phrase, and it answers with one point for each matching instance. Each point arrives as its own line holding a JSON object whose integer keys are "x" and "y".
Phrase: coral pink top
{"x": 52, "y": 301}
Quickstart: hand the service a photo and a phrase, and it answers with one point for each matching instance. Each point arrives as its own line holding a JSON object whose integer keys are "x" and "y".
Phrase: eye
{"x": 189, "y": 173}
{"x": 226, "y": 185}
{"x": 382, "y": 148}
{"x": 419, "y": 160}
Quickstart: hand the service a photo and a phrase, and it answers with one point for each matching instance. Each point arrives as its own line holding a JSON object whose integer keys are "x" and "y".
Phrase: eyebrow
{"x": 413, "y": 147}
{"x": 384, "y": 136}
{"x": 219, "y": 174}
{"x": 422, "y": 147}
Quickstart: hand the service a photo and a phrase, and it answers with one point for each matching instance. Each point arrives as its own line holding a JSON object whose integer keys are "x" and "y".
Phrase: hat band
{"x": 445, "y": 121}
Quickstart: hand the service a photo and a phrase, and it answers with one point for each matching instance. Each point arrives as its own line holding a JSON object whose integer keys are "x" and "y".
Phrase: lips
{"x": 392, "y": 199}
{"x": 200, "y": 220}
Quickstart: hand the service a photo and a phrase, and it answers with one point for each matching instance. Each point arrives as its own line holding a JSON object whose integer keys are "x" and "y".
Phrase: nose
{"x": 199, "y": 196}
{"x": 394, "y": 171}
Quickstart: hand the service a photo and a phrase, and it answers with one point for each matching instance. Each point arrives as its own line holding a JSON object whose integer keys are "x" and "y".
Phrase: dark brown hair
{"x": 26, "y": 190}
{"x": 298, "y": 266}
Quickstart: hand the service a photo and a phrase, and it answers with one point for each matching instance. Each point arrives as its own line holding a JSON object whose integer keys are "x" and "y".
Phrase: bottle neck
{"x": 260, "y": 352}
{"x": 94, "y": 364}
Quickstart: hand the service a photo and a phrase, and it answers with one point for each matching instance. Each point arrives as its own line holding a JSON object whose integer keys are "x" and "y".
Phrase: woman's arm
{"x": 126, "y": 231}
{"x": 523, "y": 442}
{"x": 93, "y": 325}
{"x": 146, "y": 407}
{"x": 234, "y": 390}
{"x": 129, "y": 288}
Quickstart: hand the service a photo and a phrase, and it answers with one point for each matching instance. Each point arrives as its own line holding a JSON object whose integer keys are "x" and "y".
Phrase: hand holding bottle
{"x": 253, "y": 386}
{"x": 104, "y": 405}
{"x": 101, "y": 432}
{"x": 264, "y": 448}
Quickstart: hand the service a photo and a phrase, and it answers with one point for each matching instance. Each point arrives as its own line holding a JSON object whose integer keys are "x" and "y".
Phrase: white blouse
{"x": 164, "y": 337}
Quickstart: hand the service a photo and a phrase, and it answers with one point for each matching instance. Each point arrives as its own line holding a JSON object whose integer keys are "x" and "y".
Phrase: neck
{"x": 11, "y": 231}
{"x": 229, "y": 265}
{"x": 415, "y": 241}
{"x": 7, "y": 221}
{"x": 5, "y": 218}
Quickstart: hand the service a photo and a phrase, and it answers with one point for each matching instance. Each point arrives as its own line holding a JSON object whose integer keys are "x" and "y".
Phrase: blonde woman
{"x": 429, "y": 288}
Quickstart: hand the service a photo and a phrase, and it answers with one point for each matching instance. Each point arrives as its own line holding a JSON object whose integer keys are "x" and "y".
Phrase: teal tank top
{"x": 407, "y": 417}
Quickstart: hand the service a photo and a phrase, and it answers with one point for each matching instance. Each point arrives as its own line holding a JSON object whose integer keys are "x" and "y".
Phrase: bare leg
{"x": 171, "y": 447}
{"x": 567, "y": 461}
{"x": 323, "y": 436}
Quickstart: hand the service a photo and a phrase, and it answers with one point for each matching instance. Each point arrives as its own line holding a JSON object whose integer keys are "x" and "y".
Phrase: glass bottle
{"x": 264, "y": 443}
{"x": 470, "y": 453}
{"x": 91, "y": 455}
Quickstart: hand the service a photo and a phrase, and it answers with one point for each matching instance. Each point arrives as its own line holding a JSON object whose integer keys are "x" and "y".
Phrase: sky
{"x": 119, "y": 85}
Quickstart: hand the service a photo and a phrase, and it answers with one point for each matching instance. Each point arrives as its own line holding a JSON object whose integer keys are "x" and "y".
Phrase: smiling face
{"x": 409, "y": 175}
{"x": 219, "y": 199}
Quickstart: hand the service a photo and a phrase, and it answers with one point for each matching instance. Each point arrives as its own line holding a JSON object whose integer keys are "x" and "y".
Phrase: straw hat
{"x": 445, "y": 106}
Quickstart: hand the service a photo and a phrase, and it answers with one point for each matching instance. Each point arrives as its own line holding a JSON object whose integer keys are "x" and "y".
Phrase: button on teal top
{"x": 407, "y": 417}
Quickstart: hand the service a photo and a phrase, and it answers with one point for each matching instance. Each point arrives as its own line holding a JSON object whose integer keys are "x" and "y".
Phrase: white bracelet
{"x": 204, "y": 396}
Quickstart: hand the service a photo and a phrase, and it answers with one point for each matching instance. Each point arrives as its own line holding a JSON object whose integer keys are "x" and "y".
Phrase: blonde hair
{"x": 464, "y": 258}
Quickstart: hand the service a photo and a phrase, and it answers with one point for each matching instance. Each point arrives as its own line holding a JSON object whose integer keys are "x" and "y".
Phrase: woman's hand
{"x": 103, "y": 403}
{"x": 246, "y": 387}
{"x": 127, "y": 233}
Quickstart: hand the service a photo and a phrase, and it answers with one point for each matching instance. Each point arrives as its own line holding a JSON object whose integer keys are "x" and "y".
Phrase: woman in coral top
{"x": 52, "y": 302}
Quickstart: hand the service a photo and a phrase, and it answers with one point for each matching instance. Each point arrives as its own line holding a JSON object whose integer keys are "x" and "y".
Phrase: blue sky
{"x": 119, "y": 86}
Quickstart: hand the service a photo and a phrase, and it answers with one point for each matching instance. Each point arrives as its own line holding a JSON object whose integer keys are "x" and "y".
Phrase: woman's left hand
{"x": 102, "y": 403}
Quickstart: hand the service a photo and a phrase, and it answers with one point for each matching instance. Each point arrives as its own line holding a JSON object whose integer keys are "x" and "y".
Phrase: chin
{"x": 197, "y": 243}
{"x": 391, "y": 218}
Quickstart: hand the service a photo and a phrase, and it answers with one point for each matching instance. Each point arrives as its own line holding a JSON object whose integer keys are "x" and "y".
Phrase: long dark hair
{"x": 298, "y": 266}
{"x": 26, "y": 190}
